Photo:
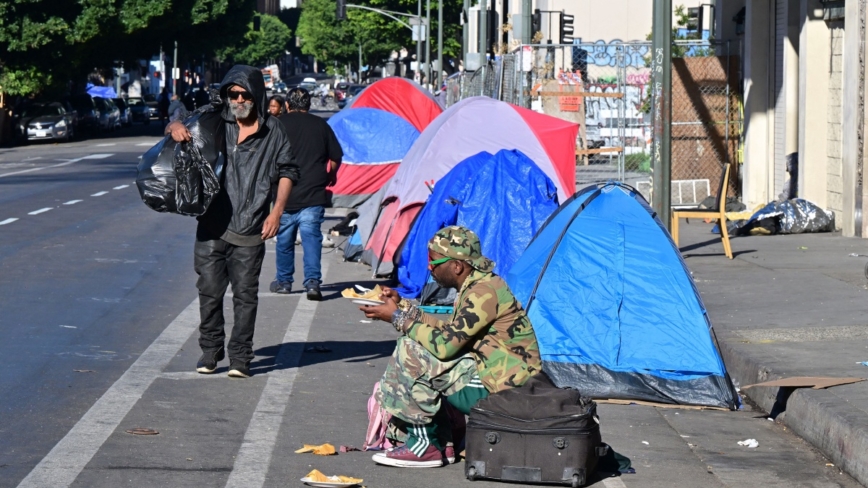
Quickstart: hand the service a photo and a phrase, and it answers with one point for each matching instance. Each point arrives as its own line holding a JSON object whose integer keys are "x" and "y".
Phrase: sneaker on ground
{"x": 282, "y": 288}
{"x": 207, "y": 364}
{"x": 312, "y": 290}
{"x": 403, "y": 457}
{"x": 449, "y": 453}
{"x": 238, "y": 369}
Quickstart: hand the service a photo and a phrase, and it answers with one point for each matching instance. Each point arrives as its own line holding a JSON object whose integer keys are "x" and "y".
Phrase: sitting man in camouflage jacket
{"x": 487, "y": 346}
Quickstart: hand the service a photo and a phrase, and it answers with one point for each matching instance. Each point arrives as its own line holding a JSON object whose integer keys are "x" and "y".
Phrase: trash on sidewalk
{"x": 817, "y": 383}
{"x": 317, "y": 478}
{"x": 795, "y": 216}
{"x": 646, "y": 443}
{"x": 320, "y": 450}
{"x": 84, "y": 370}
{"x": 863, "y": 363}
{"x": 749, "y": 443}
{"x": 348, "y": 449}
{"x": 141, "y": 431}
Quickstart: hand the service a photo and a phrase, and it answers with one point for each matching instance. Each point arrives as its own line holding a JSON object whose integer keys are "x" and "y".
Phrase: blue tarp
{"x": 505, "y": 198}
{"x": 372, "y": 136}
{"x": 101, "y": 91}
{"x": 614, "y": 307}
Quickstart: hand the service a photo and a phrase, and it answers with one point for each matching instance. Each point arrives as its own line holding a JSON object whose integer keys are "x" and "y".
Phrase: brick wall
{"x": 834, "y": 162}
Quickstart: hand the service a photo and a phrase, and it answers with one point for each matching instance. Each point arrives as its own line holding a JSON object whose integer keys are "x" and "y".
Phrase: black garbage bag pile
{"x": 794, "y": 216}
{"x": 183, "y": 177}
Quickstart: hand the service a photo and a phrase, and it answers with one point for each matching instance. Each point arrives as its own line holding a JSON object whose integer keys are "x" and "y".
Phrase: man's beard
{"x": 241, "y": 110}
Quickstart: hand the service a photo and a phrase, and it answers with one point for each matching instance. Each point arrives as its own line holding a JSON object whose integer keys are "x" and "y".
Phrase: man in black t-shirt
{"x": 318, "y": 154}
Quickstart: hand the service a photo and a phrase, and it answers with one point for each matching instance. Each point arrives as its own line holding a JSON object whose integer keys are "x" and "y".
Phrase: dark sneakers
{"x": 312, "y": 290}
{"x": 281, "y": 288}
{"x": 208, "y": 362}
{"x": 238, "y": 369}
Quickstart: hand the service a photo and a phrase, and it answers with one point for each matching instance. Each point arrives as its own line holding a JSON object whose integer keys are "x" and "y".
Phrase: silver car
{"x": 46, "y": 121}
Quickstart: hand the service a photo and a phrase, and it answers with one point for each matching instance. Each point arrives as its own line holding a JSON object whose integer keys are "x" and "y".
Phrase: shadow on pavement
{"x": 323, "y": 352}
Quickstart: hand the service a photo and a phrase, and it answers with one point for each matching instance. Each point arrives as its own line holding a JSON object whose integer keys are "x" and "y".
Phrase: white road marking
{"x": 72, "y": 202}
{"x": 613, "y": 483}
{"x": 8, "y": 221}
{"x": 41, "y": 210}
{"x": 66, "y": 460}
{"x": 120, "y": 187}
{"x": 65, "y": 163}
{"x": 254, "y": 456}
{"x": 105, "y": 145}
{"x": 99, "y": 194}
{"x": 147, "y": 143}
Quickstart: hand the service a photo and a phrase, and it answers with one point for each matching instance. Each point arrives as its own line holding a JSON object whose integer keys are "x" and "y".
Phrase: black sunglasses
{"x": 245, "y": 95}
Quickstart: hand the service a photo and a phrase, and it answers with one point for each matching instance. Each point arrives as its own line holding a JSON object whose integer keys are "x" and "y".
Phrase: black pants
{"x": 218, "y": 264}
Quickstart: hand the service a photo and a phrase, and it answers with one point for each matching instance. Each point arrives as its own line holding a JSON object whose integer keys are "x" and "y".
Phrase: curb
{"x": 820, "y": 417}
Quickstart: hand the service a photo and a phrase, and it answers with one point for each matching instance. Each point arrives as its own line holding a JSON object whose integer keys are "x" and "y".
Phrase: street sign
{"x": 176, "y": 73}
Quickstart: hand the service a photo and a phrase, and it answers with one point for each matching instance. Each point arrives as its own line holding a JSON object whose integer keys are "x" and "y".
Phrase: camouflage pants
{"x": 415, "y": 381}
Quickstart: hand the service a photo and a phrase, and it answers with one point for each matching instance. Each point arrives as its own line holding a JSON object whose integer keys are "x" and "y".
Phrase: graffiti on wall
{"x": 611, "y": 53}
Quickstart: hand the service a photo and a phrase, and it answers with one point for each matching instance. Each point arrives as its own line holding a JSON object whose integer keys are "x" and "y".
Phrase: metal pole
{"x": 174, "y": 67}
{"x": 483, "y": 28}
{"x": 526, "y": 34}
{"x": 439, "y": 42}
{"x": 427, "y": 42}
{"x": 360, "y": 63}
{"x": 418, "y": 37}
{"x": 661, "y": 70}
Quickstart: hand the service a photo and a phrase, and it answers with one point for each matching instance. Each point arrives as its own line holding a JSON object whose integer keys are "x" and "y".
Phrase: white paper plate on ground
{"x": 365, "y": 301}
{"x": 328, "y": 484}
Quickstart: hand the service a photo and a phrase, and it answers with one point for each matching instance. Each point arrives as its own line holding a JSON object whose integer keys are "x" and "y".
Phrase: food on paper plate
{"x": 364, "y": 293}
{"x": 321, "y": 450}
{"x": 317, "y": 477}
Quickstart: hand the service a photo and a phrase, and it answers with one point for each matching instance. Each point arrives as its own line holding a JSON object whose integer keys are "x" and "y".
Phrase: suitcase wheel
{"x": 577, "y": 481}
{"x": 471, "y": 473}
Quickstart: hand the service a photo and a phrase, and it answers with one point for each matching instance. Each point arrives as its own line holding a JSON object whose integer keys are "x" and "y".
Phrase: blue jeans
{"x": 309, "y": 222}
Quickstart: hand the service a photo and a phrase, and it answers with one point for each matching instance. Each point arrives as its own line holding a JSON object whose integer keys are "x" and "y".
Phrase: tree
{"x": 46, "y": 43}
{"x": 258, "y": 47}
{"x": 329, "y": 40}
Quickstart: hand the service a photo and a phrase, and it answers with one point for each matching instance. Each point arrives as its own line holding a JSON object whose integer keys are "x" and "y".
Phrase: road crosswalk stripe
{"x": 41, "y": 210}
{"x": 8, "y": 221}
{"x": 121, "y": 187}
{"x": 99, "y": 194}
{"x": 66, "y": 460}
{"x": 254, "y": 457}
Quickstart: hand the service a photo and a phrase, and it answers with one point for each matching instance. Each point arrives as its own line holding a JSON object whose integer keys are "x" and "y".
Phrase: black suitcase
{"x": 537, "y": 433}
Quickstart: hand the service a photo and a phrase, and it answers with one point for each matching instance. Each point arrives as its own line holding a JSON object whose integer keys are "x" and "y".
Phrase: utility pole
{"x": 465, "y": 32}
{"x": 428, "y": 43}
{"x": 661, "y": 71}
{"x": 360, "y": 63}
{"x": 483, "y": 30}
{"x": 439, "y": 42}
{"x": 526, "y": 34}
{"x": 418, "y": 73}
{"x": 175, "y": 71}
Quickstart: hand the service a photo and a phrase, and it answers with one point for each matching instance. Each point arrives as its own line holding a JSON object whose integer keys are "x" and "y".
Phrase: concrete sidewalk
{"x": 792, "y": 306}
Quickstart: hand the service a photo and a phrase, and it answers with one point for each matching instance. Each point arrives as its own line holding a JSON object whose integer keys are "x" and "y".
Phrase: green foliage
{"x": 640, "y": 162}
{"x": 259, "y": 46}
{"x": 333, "y": 41}
{"x": 45, "y": 43}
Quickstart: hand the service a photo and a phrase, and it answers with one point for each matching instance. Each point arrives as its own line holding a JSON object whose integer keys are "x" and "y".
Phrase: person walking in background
{"x": 319, "y": 155}
{"x": 177, "y": 110}
{"x": 231, "y": 235}
{"x": 163, "y": 106}
{"x": 275, "y": 105}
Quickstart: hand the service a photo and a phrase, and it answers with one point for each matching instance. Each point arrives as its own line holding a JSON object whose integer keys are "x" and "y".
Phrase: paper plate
{"x": 365, "y": 301}
{"x": 328, "y": 484}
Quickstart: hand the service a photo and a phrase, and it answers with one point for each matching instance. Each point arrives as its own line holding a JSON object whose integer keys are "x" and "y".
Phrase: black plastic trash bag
{"x": 183, "y": 177}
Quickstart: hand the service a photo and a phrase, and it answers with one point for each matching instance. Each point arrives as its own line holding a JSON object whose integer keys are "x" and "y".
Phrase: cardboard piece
{"x": 815, "y": 382}
{"x": 618, "y": 401}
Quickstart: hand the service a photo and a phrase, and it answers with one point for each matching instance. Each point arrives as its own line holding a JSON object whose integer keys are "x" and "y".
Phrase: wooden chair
{"x": 718, "y": 211}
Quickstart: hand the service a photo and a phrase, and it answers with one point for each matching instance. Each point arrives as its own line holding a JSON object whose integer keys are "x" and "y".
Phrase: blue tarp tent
{"x": 101, "y": 91}
{"x": 505, "y": 198}
{"x": 615, "y": 310}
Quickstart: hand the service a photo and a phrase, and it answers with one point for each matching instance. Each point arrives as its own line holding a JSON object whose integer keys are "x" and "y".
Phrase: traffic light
{"x": 694, "y": 20}
{"x": 535, "y": 23}
{"x": 341, "y": 9}
{"x": 567, "y": 28}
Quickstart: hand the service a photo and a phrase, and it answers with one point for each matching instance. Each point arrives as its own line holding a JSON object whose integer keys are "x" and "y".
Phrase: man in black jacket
{"x": 318, "y": 153}
{"x": 231, "y": 235}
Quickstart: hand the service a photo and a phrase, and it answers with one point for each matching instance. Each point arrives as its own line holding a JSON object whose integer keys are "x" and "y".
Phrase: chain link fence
{"x": 605, "y": 89}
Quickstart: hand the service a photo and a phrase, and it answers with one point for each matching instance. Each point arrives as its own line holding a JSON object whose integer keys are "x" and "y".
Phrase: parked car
{"x": 280, "y": 87}
{"x": 153, "y": 106}
{"x": 308, "y": 84}
{"x": 126, "y": 118}
{"x": 139, "y": 110}
{"x": 88, "y": 113}
{"x": 46, "y": 121}
{"x": 350, "y": 92}
{"x": 109, "y": 114}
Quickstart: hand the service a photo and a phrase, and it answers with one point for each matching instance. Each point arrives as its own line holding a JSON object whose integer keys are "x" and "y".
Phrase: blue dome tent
{"x": 614, "y": 307}
{"x": 505, "y": 198}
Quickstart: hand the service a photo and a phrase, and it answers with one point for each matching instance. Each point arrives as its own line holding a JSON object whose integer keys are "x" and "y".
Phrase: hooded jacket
{"x": 238, "y": 212}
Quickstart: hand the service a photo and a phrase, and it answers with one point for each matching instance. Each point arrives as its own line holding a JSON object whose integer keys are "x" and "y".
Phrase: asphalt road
{"x": 98, "y": 315}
